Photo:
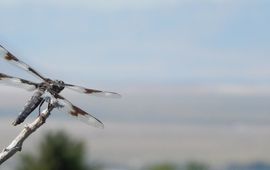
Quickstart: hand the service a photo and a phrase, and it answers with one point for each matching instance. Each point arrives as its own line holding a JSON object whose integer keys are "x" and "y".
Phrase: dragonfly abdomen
{"x": 29, "y": 107}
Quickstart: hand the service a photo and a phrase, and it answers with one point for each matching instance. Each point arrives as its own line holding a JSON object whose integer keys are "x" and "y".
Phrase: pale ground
{"x": 135, "y": 144}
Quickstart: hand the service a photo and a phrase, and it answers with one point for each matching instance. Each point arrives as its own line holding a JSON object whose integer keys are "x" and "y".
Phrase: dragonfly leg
{"x": 39, "y": 108}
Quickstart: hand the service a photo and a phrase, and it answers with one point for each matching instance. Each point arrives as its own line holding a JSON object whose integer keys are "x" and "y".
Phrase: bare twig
{"x": 16, "y": 144}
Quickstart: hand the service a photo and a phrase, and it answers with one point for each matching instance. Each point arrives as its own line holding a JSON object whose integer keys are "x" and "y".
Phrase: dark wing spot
{"x": 58, "y": 96}
{"x": 34, "y": 71}
{"x": 88, "y": 91}
{"x": 77, "y": 111}
{"x": 9, "y": 57}
{"x": 2, "y": 76}
{"x": 28, "y": 82}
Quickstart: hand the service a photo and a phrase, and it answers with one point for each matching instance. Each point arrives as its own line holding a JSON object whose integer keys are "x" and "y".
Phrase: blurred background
{"x": 194, "y": 76}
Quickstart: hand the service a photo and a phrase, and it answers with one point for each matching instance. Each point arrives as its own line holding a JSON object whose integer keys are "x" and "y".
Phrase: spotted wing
{"x": 66, "y": 106}
{"x": 14, "y": 81}
{"x": 6, "y": 55}
{"x": 94, "y": 92}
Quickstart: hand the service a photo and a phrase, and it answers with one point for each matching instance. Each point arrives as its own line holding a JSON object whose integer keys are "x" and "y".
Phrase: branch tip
{"x": 16, "y": 144}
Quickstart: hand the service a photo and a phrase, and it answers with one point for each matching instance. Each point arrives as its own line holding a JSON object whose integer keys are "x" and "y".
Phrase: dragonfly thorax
{"x": 57, "y": 86}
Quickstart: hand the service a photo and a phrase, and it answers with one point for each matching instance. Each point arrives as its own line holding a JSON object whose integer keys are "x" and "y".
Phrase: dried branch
{"x": 16, "y": 144}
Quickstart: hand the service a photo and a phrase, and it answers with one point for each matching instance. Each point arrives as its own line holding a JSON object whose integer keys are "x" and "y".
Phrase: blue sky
{"x": 185, "y": 63}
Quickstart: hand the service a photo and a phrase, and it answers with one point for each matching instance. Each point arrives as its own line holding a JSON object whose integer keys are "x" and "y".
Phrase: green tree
{"x": 196, "y": 166}
{"x": 188, "y": 166}
{"x": 57, "y": 151}
{"x": 164, "y": 166}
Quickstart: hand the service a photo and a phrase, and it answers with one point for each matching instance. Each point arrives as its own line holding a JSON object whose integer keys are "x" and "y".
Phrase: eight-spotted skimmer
{"x": 47, "y": 91}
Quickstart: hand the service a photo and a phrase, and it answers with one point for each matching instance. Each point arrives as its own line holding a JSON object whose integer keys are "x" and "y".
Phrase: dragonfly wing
{"x": 66, "y": 106}
{"x": 14, "y": 81}
{"x": 6, "y": 55}
{"x": 98, "y": 93}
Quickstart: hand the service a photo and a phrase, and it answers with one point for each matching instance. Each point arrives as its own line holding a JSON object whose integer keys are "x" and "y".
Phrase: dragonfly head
{"x": 57, "y": 86}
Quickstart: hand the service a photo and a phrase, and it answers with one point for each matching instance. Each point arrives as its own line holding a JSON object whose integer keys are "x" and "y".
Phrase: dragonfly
{"x": 48, "y": 90}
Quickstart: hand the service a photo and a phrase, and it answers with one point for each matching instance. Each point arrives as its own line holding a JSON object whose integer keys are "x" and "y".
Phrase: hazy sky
{"x": 156, "y": 53}
{"x": 203, "y": 62}
{"x": 154, "y": 42}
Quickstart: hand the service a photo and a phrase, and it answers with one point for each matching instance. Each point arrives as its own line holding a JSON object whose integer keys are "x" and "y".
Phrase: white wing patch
{"x": 66, "y": 106}
{"x": 17, "y": 82}
{"x": 3, "y": 52}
